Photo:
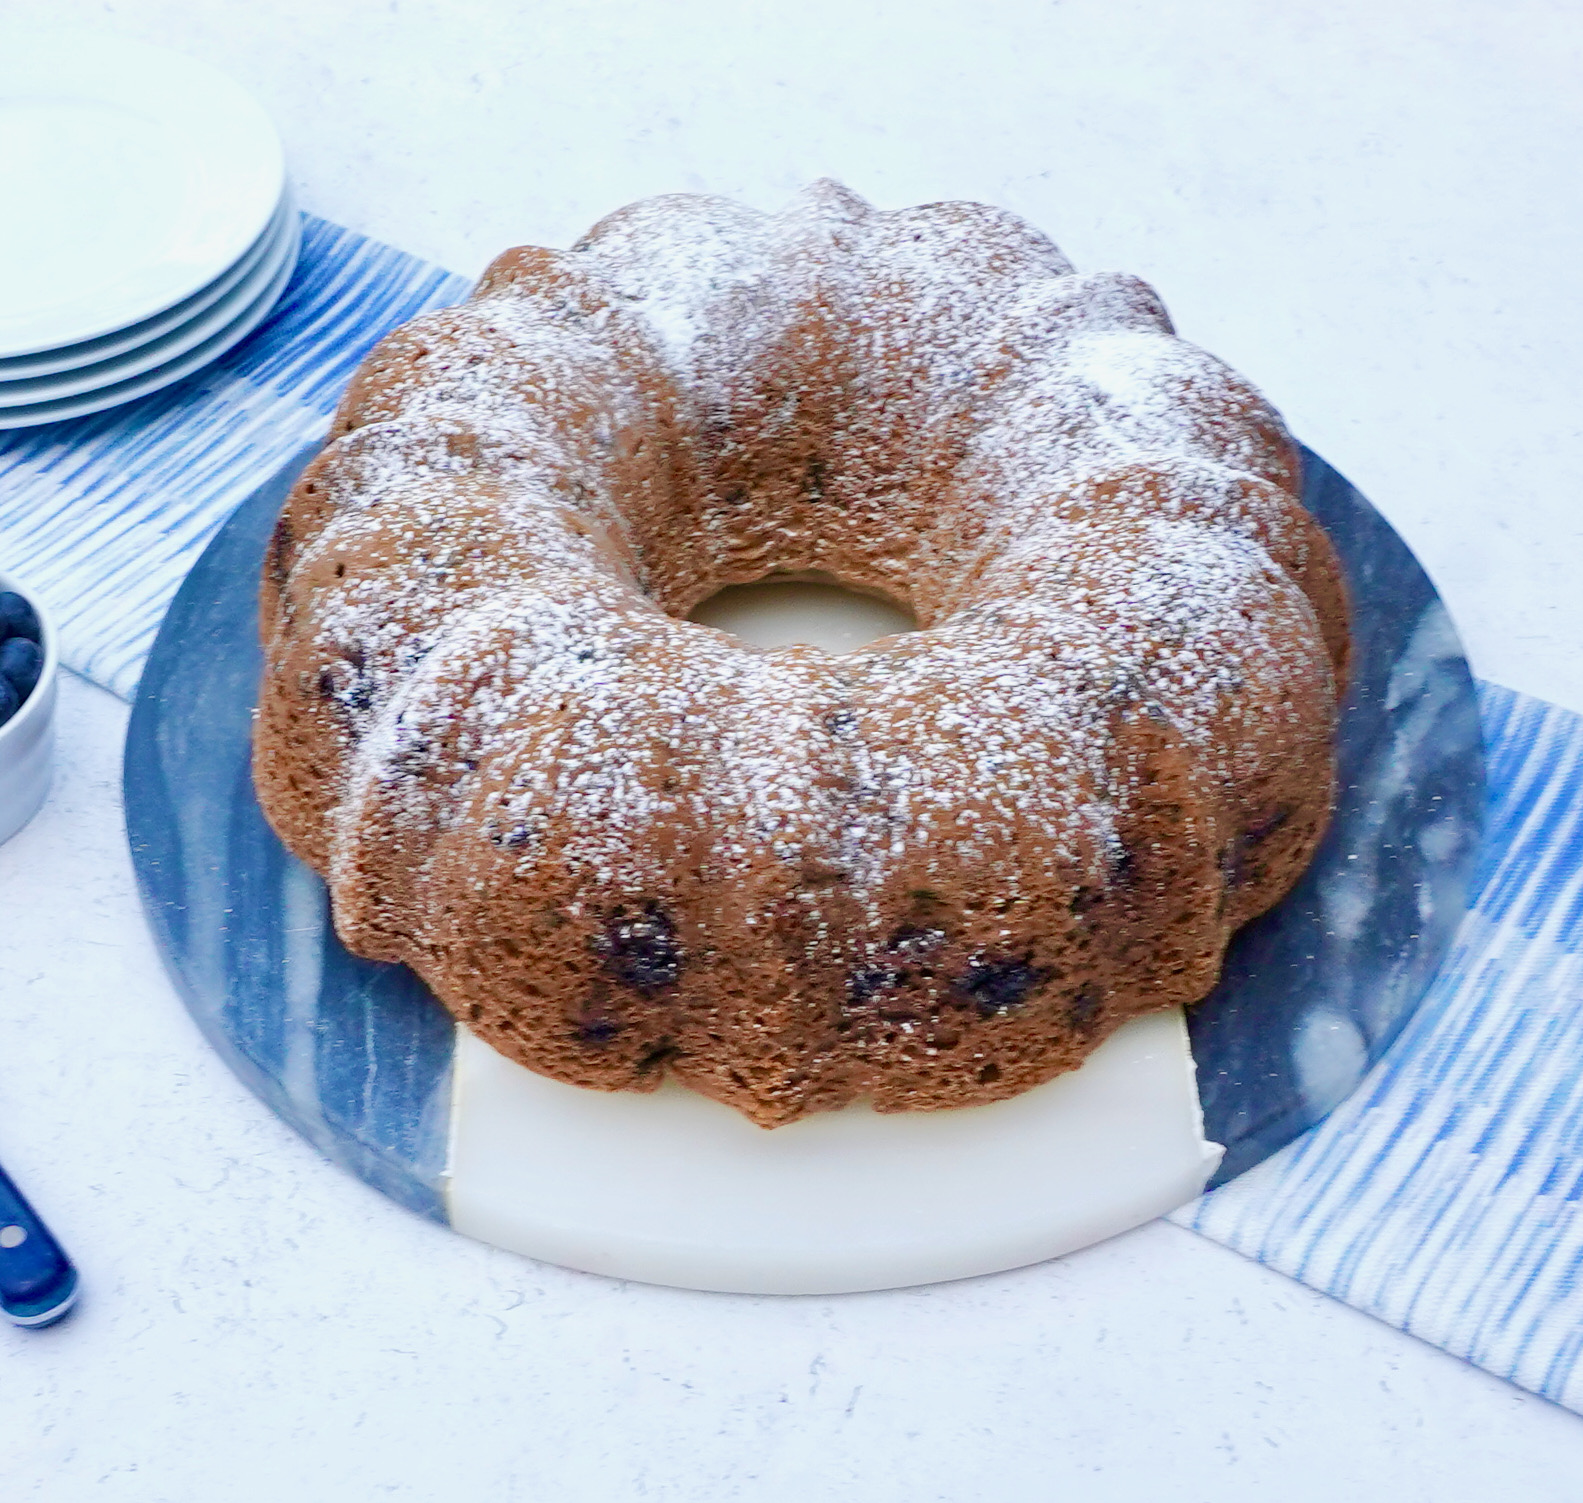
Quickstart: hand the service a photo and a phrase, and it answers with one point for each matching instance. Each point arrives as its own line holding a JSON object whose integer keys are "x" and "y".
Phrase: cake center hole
{"x": 803, "y": 610}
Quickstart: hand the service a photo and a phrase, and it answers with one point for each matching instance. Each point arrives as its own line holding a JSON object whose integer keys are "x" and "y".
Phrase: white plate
{"x": 157, "y": 352}
{"x": 672, "y": 1188}
{"x": 183, "y": 365}
{"x": 130, "y": 177}
{"x": 90, "y": 351}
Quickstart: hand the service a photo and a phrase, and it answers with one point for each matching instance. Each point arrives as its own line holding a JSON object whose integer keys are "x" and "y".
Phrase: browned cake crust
{"x": 930, "y": 873}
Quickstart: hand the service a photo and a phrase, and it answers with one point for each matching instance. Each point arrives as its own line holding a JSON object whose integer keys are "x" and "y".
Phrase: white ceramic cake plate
{"x": 130, "y": 177}
{"x": 671, "y": 1188}
{"x": 675, "y": 1189}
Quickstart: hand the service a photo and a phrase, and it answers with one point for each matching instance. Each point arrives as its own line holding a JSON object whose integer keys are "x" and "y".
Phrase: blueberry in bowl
{"x": 18, "y": 618}
{"x": 27, "y": 704}
{"x": 21, "y": 665}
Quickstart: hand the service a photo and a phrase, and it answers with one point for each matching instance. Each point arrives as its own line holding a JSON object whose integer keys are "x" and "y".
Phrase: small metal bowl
{"x": 27, "y": 739}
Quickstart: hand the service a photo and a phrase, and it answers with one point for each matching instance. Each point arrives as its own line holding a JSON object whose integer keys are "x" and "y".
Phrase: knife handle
{"x": 37, "y": 1281}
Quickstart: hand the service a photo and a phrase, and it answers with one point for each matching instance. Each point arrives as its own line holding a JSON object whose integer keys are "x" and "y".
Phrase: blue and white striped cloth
{"x": 1446, "y": 1194}
{"x": 1443, "y": 1197}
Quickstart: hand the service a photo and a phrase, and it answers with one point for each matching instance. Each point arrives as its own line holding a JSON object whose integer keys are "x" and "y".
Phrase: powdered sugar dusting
{"x": 1091, "y": 519}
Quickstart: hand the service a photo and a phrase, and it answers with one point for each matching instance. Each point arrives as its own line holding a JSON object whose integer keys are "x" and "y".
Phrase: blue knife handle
{"x": 37, "y": 1281}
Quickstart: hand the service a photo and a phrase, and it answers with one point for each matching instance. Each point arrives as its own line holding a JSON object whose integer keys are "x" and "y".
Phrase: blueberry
{"x": 10, "y": 700}
{"x": 1123, "y": 867}
{"x": 21, "y": 661}
{"x": 1084, "y": 899}
{"x": 1082, "y": 1010}
{"x": 864, "y": 985}
{"x": 643, "y": 952}
{"x": 17, "y": 617}
{"x": 999, "y": 985}
{"x": 345, "y": 682}
{"x": 813, "y": 480}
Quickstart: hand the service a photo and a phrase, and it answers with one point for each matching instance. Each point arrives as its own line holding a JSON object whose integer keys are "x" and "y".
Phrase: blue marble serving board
{"x": 357, "y": 1056}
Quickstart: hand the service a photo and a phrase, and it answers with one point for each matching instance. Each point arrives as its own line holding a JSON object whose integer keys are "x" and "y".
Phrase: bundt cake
{"x": 933, "y": 872}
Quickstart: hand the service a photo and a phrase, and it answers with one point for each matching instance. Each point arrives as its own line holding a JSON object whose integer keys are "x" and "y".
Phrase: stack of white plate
{"x": 145, "y": 223}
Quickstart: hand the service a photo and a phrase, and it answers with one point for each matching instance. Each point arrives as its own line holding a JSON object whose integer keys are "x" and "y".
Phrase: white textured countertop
{"x": 1375, "y": 218}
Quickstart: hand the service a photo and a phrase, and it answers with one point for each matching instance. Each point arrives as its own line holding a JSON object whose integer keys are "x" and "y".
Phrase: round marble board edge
{"x": 358, "y": 1056}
